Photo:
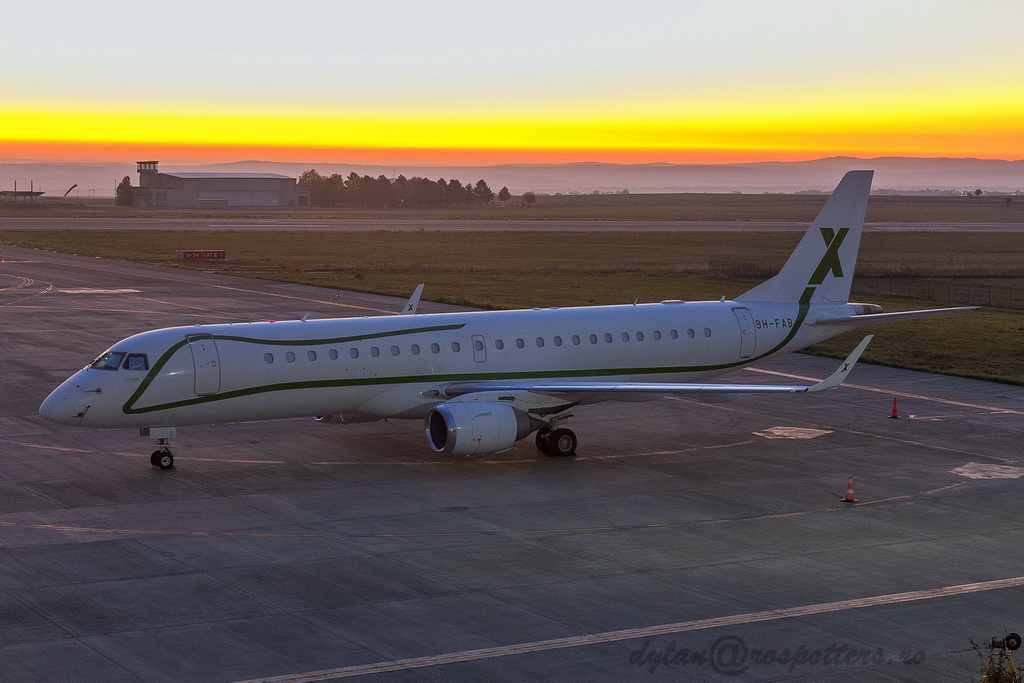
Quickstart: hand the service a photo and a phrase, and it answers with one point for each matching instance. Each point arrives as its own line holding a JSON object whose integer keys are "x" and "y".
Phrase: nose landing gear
{"x": 162, "y": 457}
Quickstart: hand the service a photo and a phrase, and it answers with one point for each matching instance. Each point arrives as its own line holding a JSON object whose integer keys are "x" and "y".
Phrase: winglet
{"x": 414, "y": 301}
{"x": 837, "y": 377}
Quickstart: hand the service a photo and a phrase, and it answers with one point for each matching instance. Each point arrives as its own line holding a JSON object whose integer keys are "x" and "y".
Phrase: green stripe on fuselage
{"x": 130, "y": 409}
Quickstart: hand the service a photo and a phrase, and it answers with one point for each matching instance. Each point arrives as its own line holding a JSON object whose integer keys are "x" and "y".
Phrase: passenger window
{"x": 478, "y": 345}
{"x": 435, "y": 348}
{"x": 558, "y": 341}
{"x": 333, "y": 354}
{"x": 136, "y": 361}
{"x": 520, "y": 344}
{"x": 375, "y": 352}
{"x": 311, "y": 354}
{"x": 268, "y": 358}
{"x": 593, "y": 339}
{"x": 540, "y": 342}
{"x": 353, "y": 352}
{"x": 415, "y": 348}
{"x": 674, "y": 334}
{"x": 498, "y": 344}
{"x": 111, "y": 360}
{"x": 395, "y": 350}
{"x": 707, "y": 331}
{"x": 657, "y": 335}
{"x": 290, "y": 357}
{"x": 689, "y": 333}
{"x": 625, "y": 336}
{"x": 575, "y": 340}
{"x": 639, "y": 336}
{"x": 607, "y": 338}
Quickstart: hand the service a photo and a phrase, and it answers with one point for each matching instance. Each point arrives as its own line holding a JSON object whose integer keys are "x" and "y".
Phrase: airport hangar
{"x": 215, "y": 190}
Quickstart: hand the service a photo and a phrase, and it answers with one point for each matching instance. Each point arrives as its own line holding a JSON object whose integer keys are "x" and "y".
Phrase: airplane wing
{"x": 467, "y": 390}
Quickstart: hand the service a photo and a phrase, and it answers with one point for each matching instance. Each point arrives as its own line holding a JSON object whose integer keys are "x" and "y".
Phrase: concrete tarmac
{"x": 686, "y": 541}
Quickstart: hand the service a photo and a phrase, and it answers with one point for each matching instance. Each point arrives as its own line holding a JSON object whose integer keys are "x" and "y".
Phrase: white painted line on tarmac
{"x": 792, "y": 433}
{"x": 901, "y": 394}
{"x": 643, "y": 632}
{"x": 94, "y": 290}
{"x": 977, "y": 470}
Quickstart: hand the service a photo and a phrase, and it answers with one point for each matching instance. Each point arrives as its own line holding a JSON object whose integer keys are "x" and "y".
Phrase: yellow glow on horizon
{"x": 729, "y": 127}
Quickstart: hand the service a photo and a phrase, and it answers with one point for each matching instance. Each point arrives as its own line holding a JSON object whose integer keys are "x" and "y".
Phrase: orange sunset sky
{"x": 450, "y": 82}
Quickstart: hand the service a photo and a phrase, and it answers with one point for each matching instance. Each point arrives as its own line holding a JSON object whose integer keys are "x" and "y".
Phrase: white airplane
{"x": 482, "y": 380}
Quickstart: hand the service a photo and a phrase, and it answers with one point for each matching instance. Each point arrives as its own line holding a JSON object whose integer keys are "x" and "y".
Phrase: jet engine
{"x": 472, "y": 427}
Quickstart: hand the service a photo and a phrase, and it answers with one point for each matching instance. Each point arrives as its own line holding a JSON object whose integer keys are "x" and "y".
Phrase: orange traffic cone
{"x": 895, "y": 413}
{"x": 849, "y": 491}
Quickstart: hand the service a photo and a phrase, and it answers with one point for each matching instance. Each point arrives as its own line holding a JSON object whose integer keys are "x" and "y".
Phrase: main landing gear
{"x": 556, "y": 443}
{"x": 162, "y": 457}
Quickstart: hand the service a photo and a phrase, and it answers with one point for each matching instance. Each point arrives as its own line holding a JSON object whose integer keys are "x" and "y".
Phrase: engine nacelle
{"x": 472, "y": 427}
{"x": 345, "y": 418}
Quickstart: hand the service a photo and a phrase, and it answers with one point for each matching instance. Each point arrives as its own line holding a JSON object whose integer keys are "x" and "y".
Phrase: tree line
{"x": 367, "y": 192}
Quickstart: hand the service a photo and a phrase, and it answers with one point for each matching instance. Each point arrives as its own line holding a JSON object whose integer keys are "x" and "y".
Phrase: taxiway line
{"x": 643, "y": 632}
{"x": 901, "y": 394}
{"x": 437, "y": 534}
{"x": 169, "y": 278}
{"x": 460, "y": 463}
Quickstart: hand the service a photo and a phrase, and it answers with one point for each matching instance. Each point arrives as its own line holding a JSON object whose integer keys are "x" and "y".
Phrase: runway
{"x": 687, "y": 540}
{"x": 359, "y": 224}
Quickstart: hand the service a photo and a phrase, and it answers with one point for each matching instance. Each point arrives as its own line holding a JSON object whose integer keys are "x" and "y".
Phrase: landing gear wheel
{"x": 162, "y": 459}
{"x": 556, "y": 443}
{"x": 542, "y": 440}
{"x": 562, "y": 443}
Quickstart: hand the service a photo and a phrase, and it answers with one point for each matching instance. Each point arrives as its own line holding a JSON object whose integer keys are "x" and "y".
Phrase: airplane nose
{"x": 64, "y": 405}
{"x": 52, "y": 407}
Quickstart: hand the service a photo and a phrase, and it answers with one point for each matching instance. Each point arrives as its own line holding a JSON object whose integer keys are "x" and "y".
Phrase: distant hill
{"x": 891, "y": 173}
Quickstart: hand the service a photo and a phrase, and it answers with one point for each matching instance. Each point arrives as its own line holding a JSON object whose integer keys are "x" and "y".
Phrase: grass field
{"x": 498, "y": 269}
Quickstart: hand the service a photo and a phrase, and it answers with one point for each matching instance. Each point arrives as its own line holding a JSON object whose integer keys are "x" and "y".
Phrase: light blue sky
{"x": 478, "y": 54}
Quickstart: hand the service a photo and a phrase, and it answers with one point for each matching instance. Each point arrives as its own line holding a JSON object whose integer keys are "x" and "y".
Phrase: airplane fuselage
{"x": 483, "y": 380}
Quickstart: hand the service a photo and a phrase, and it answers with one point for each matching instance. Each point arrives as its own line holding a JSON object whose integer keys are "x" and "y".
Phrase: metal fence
{"x": 950, "y": 290}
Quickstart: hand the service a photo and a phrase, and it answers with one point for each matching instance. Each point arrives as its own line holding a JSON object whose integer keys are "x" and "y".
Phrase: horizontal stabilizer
{"x": 854, "y": 321}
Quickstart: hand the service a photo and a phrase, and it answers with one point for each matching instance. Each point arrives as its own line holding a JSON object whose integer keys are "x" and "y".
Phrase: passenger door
{"x": 206, "y": 362}
{"x": 748, "y": 336}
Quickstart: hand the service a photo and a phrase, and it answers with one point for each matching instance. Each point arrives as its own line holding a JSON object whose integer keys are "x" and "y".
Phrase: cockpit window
{"x": 136, "y": 361}
{"x": 111, "y": 360}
